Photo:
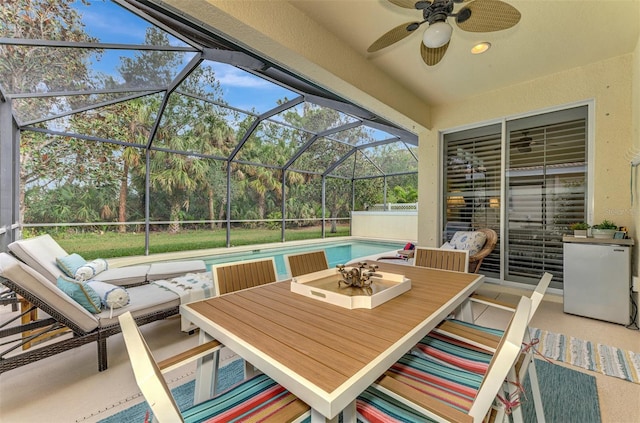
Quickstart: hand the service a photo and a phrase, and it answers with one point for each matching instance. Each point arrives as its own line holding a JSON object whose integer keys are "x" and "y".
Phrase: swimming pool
{"x": 337, "y": 252}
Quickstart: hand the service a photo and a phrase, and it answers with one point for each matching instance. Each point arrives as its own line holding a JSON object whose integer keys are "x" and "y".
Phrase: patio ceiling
{"x": 166, "y": 63}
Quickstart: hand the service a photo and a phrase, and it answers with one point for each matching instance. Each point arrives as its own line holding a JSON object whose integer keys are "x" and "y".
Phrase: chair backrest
{"x": 303, "y": 263}
{"x": 40, "y": 253}
{"x": 489, "y": 245}
{"x": 503, "y": 361}
{"x": 538, "y": 293}
{"x": 147, "y": 373}
{"x": 231, "y": 277}
{"x": 456, "y": 260}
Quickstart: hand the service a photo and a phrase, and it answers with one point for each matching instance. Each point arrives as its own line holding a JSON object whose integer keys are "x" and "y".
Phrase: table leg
{"x": 349, "y": 413}
{"x": 206, "y": 373}
{"x": 464, "y": 312}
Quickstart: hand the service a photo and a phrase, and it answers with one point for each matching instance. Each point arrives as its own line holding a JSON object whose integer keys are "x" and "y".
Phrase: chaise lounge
{"x": 32, "y": 273}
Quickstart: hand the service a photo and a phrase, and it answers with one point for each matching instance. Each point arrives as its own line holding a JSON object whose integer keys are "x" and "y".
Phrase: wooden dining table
{"x": 325, "y": 354}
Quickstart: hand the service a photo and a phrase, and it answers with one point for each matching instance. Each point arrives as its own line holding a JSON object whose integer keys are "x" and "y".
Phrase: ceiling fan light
{"x": 480, "y": 48}
{"x": 437, "y": 34}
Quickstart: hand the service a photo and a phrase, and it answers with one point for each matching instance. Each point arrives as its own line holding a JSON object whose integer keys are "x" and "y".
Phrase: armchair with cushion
{"x": 480, "y": 243}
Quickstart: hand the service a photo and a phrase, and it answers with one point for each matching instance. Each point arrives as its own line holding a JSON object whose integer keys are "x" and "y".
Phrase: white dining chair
{"x": 472, "y": 336}
{"x": 439, "y": 258}
{"x": 308, "y": 262}
{"x": 256, "y": 399}
{"x": 440, "y": 392}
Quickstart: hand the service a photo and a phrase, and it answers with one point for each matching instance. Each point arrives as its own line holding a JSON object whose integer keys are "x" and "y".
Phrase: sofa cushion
{"x": 173, "y": 269}
{"x": 40, "y": 253}
{"x": 33, "y": 282}
{"x": 81, "y": 293}
{"x": 469, "y": 240}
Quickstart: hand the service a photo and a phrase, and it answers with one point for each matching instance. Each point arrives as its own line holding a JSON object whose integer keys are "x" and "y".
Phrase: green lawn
{"x": 112, "y": 244}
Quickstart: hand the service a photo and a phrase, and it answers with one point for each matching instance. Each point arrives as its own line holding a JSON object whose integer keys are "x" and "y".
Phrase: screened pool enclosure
{"x": 125, "y": 117}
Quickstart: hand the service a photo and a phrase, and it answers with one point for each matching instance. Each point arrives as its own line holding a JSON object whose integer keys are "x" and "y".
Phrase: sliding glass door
{"x": 544, "y": 175}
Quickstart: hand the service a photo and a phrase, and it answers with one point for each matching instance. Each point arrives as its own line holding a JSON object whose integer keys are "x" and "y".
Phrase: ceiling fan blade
{"x": 488, "y": 16}
{"x": 393, "y": 36}
{"x": 407, "y": 4}
{"x": 432, "y": 56}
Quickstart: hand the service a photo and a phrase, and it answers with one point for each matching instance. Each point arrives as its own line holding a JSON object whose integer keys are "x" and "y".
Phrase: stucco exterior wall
{"x": 608, "y": 83}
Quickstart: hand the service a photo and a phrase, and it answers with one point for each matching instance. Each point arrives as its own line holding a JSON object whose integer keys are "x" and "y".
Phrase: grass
{"x": 113, "y": 244}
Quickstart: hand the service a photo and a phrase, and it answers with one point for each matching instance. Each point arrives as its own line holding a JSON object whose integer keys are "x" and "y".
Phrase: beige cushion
{"x": 173, "y": 269}
{"x": 33, "y": 282}
{"x": 143, "y": 299}
{"x": 40, "y": 253}
{"x": 124, "y": 275}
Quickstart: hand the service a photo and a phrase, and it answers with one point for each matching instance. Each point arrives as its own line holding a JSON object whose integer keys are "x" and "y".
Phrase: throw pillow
{"x": 111, "y": 296}
{"x": 70, "y": 264}
{"x": 91, "y": 269}
{"x": 472, "y": 241}
{"x": 81, "y": 293}
{"x": 448, "y": 246}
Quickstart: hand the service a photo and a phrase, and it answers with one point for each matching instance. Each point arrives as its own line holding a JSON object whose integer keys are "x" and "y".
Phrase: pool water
{"x": 338, "y": 252}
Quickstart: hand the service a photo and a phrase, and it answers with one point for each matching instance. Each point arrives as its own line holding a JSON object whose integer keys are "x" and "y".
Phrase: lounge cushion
{"x": 40, "y": 253}
{"x": 469, "y": 240}
{"x": 173, "y": 269}
{"x": 81, "y": 293}
{"x": 30, "y": 280}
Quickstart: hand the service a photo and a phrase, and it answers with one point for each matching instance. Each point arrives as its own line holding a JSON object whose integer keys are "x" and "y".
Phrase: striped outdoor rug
{"x": 605, "y": 359}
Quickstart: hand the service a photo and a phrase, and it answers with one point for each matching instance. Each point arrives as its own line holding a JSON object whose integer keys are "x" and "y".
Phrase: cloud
{"x": 232, "y": 77}
{"x": 111, "y": 23}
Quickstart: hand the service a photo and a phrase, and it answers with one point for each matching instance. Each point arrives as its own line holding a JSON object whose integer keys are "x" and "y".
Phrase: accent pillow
{"x": 70, "y": 264}
{"x": 91, "y": 269}
{"x": 472, "y": 241}
{"x": 111, "y": 296}
{"x": 81, "y": 293}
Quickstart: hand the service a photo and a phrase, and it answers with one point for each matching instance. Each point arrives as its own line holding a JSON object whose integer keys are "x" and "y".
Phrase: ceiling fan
{"x": 475, "y": 16}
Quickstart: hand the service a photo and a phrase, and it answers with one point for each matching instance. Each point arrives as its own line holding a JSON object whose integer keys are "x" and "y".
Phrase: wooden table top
{"x": 326, "y": 354}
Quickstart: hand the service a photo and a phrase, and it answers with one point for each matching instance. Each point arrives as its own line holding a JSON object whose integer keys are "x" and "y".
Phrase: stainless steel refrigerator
{"x": 597, "y": 279}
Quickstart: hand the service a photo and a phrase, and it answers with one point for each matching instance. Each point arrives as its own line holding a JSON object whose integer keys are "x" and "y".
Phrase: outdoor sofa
{"x": 32, "y": 273}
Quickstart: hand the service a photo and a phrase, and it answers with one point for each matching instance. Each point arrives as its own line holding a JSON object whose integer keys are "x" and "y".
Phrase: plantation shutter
{"x": 546, "y": 177}
{"x": 472, "y": 185}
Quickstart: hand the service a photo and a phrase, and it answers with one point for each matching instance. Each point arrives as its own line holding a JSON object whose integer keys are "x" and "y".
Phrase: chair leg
{"x": 535, "y": 392}
{"x": 102, "y": 353}
{"x": 511, "y": 390}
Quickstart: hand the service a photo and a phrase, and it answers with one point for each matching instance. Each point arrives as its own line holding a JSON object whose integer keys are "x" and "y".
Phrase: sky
{"x": 111, "y": 23}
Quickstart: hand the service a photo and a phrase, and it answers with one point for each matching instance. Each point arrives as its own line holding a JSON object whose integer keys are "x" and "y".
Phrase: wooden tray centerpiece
{"x": 358, "y": 287}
